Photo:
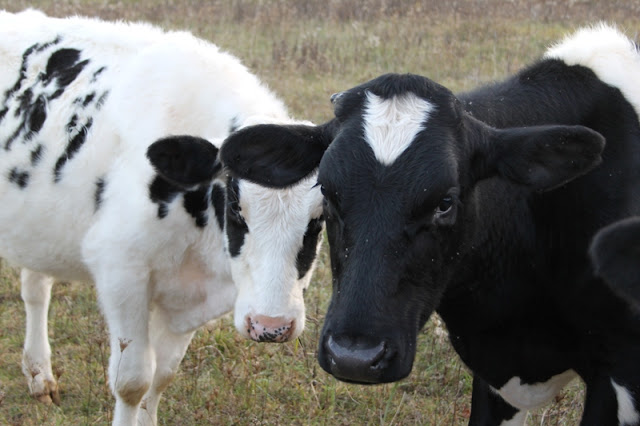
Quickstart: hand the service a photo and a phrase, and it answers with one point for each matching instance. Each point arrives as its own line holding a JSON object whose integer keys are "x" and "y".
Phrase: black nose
{"x": 358, "y": 359}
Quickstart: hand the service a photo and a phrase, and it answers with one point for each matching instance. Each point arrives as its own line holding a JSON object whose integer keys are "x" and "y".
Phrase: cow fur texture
{"x": 482, "y": 207}
{"x": 109, "y": 172}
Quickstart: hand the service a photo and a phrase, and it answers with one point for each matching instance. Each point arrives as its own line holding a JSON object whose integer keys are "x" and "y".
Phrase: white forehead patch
{"x": 390, "y": 125}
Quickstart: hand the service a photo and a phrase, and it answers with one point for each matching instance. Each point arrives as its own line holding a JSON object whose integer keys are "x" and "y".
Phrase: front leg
{"x": 489, "y": 409}
{"x": 169, "y": 348}
{"x": 123, "y": 293}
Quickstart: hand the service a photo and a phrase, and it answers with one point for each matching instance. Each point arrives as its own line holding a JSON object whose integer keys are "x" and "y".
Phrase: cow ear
{"x": 275, "y": 155}
{"x": 185, "y": 161}
{"x": 615, "y": 254}
{"x": 541, "y": 157}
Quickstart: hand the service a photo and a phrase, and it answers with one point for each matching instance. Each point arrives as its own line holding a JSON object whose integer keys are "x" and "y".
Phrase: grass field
{"x": 305, "y": 51}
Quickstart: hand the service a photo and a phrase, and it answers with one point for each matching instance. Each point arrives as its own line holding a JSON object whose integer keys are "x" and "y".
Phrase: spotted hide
{"x": 109, "y": 172}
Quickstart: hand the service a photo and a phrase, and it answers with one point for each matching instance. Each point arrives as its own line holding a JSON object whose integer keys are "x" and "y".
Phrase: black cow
{"x": 482, "y": 207}
{"x": 615, "y": 253}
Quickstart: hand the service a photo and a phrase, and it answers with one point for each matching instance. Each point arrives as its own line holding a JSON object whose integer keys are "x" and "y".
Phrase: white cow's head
{"x": 271, "y": 235}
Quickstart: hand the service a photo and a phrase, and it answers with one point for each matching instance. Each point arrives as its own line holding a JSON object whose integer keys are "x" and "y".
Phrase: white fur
{"x": 610, "y": 54}
{"x": 158, "y": 280}
{"x": 390, "y": 125}
{"x": 627, "y": 414}
{"x": 529, "y": 397}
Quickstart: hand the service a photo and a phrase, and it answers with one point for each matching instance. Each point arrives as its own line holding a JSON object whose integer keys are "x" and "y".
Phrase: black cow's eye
{"x": 445, "y": 204}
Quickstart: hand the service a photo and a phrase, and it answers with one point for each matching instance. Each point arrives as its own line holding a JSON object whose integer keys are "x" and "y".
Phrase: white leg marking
{"x": 529, "y": 397}
{"x": 36, "y": 357}
{"x": 627, "y": 413}
{"x": 390, "y": 125}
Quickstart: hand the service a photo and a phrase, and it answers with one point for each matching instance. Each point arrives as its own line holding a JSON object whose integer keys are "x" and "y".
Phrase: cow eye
{"x": 445, "y": 205}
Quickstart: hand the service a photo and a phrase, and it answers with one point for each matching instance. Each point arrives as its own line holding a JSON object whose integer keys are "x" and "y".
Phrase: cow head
{"x": 397, "y": 167}
{"x": 615, "y": 252}
{"x": 272, "y": 235}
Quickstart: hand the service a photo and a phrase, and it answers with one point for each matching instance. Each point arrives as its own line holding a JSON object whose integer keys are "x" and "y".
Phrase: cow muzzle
{"x": 262, "y": 328}
{"x": 358, "y": 359}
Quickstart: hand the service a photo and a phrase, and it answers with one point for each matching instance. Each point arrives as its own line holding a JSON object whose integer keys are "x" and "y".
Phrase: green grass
{"x": 305, "y": 51}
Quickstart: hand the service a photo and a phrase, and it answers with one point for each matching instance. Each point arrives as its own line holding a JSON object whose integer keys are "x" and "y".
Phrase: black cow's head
{"x": 396, "y": 167}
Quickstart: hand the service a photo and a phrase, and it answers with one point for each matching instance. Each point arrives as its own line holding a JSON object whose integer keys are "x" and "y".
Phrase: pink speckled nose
{"x": 262, "y": 328}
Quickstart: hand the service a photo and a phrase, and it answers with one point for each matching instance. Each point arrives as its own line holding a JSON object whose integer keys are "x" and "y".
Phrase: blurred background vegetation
{"x": 305, "y": 51}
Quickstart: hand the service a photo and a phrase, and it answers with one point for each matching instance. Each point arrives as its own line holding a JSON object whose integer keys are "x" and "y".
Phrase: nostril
{"x": 359, "y": 359}
{"x": 263, "y": 328}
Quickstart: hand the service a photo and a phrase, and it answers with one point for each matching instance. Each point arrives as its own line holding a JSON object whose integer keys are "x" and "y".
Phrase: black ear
{"x": 541, "y": 157}
{"x": 185, "y": 161}
{"x": 615, "y": 254}
{"x": 274, "y": 155}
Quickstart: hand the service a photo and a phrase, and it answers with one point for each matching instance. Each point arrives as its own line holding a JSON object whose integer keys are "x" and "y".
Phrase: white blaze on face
{"x": 390, "y": 125}
{"x": 265, "y": 271}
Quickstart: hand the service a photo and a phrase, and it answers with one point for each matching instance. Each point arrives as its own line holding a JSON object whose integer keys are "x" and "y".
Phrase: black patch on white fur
{"x": 218, "y": 201}
{"x": 19, "y": 177}
{"x": 36, "y": 155}
{"x": 307, "y": 253}
{"x": 236, "y": 226}
{"x": 64, "y": 65}
{"x": 97, "y": 196}
{"x": 162, "y": 193}
{"x": 72, "y": 148}
{"x": 101, "y": 100}
{"x": 196, "y": 203}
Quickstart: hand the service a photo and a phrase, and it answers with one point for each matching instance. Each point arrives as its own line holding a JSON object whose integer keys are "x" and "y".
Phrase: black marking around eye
{"x": 20, "y": 178}
{"x": 97, "y": 196}
{"x": 307, "y": 253}
{"x": 36, "y": 155}
{"x": 72, "y": 148}
{"x": 218, "y": 201}
{"x": 236, "y": 226}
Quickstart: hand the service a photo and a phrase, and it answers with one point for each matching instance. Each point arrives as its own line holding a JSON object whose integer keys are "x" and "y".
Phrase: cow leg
{"x": 489, "y": 409}
{"x": 169, "y": 350}
{"x": 36, "y": 357}
{"x": 125, "y": 303}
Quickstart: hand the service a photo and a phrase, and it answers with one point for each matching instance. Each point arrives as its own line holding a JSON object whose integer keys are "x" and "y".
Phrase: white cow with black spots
{"x": 108, "y": 174}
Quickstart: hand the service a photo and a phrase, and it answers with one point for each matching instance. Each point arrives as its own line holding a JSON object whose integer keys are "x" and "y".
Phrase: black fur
{"x": 236, "y": 228}
{"x": 218, "y": 200}
{"x": 487, "y": 218}
{"x": 19, "y": 177}
{"x": 307, "y": 253}
{"x": 97, "y": 196}
{"x": 72, "y": 149}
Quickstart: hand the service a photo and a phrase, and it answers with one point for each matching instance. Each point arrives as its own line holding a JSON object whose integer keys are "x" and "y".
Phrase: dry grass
{"x": 305, "y": 50}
